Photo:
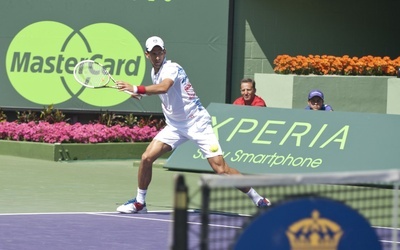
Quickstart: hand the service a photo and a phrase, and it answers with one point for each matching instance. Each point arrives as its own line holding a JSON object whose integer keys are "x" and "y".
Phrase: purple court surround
{"x": 104, "y": 231}
{"x": 85, "y": 231}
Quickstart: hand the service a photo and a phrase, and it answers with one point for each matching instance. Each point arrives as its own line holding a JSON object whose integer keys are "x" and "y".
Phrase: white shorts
{"x": 200, "y": 132}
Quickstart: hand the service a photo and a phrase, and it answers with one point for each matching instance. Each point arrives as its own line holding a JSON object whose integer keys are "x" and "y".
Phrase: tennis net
{"x": 353, "y": 210}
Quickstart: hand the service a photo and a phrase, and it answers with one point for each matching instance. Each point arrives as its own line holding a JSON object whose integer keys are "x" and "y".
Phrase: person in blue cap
{"x": 316, "y": 101}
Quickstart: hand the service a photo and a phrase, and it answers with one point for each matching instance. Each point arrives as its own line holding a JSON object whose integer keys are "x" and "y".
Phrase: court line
{"x": 163, "y": 220}
{"x": 389, "y": 241}
{"x": 49, "y": 213}
{"x": 67, "y": 213}
{"x": 130, "y": 217}
{"x": 390, "y": 228}
{"x": 119, "y": 215}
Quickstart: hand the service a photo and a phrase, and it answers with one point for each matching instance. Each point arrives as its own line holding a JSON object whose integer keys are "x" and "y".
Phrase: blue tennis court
{"x": 73, "y": 231}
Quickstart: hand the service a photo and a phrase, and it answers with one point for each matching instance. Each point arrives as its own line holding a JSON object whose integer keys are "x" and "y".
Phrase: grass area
{"x": 33, "y": 186}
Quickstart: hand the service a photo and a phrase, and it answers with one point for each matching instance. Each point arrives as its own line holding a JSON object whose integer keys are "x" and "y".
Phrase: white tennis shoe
{"x": 263, "y": 203}
{"x": 132, "y": 207}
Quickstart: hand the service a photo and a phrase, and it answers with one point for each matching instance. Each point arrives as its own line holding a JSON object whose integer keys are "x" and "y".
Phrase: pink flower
{"x": 63, "y": 132}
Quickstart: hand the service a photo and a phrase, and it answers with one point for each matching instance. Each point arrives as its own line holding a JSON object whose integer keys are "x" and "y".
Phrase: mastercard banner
{"x": 44, "y": 40}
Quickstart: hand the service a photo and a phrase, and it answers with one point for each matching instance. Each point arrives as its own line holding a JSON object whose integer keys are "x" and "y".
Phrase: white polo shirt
{"x": 180, "y": 104}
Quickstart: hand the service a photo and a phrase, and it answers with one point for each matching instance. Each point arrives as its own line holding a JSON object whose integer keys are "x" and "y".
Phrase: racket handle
{"x": 128, "y": 92}
{"x": 131, "y": 93}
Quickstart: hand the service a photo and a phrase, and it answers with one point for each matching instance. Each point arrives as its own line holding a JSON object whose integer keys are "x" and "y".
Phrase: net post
{"x": 205, "y": 197}
{"x": 180, "y": 226}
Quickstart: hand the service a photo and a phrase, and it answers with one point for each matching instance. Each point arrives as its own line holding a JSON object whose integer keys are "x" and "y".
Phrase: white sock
{"x": 254, "y": 196}
{"x": 141, "y": 195}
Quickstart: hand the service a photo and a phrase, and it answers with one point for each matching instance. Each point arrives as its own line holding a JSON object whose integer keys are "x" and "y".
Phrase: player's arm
{"x": 161, "y": 88}
{"x": 154, "y": 89}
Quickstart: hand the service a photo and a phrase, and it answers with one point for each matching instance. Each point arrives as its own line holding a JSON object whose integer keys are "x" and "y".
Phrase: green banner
{"x": 41, "y": 42}
{"x": 273, "y": 140}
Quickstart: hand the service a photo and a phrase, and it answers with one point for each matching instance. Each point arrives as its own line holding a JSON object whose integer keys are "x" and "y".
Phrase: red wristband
{"x": 141, "y": 90}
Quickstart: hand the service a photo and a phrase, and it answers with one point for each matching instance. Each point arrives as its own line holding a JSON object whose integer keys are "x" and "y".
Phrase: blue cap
{"x": 315, "y": 92}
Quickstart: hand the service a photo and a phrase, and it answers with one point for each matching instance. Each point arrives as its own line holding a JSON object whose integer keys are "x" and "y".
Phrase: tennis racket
{"x": 92, "y": 74}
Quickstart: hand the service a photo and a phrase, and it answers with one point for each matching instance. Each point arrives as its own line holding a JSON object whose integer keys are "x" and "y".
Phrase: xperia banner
{"x": 273, "y": 140}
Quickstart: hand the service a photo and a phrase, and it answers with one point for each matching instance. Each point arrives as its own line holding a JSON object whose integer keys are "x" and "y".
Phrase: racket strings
{"x": 92, "y": 75}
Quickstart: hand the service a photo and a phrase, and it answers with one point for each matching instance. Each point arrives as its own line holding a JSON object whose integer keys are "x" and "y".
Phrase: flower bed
{"x": 63, "y": 132}
{"x": 333, "y": 65}
{"x": 49, "y": 136}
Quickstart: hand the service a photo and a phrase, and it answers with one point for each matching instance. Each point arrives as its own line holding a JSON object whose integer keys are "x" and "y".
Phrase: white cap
{"x": 154, "y": 41}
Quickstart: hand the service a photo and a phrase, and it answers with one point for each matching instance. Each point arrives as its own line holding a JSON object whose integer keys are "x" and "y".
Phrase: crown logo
{"x": 314, "y": 233}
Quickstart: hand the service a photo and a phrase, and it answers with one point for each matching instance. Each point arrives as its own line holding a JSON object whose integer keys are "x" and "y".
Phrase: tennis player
{"x": 186, "y": 119}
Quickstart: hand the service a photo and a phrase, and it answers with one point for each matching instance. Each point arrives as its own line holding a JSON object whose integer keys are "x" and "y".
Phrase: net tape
{"x": 356, "y": 177}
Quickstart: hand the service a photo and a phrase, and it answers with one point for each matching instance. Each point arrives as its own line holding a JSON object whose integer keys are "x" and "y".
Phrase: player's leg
{"x": 203, "y": 135}
{"x": 155, "y": 149}
{"x": 219, "y": 165}
{"x": 165, "y": 141}
{"x": 138, "y": 205}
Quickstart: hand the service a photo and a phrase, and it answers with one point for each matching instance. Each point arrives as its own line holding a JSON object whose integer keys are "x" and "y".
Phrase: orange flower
{"x": 333, "y": 65}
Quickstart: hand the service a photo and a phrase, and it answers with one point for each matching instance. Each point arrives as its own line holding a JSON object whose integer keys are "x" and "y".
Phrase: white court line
{"x": 389, "y": 241}
{"x": 67, "y": 213}
{"x": 119, "y": 215}
{"x": 163, "y": 220}
{"x": 49, "y": 213}
{"x": 391, "y": 228}
{"x": 130, "y": 217}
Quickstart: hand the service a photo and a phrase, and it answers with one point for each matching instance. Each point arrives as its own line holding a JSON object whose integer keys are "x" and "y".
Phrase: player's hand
{"x": 124, "y": 86}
